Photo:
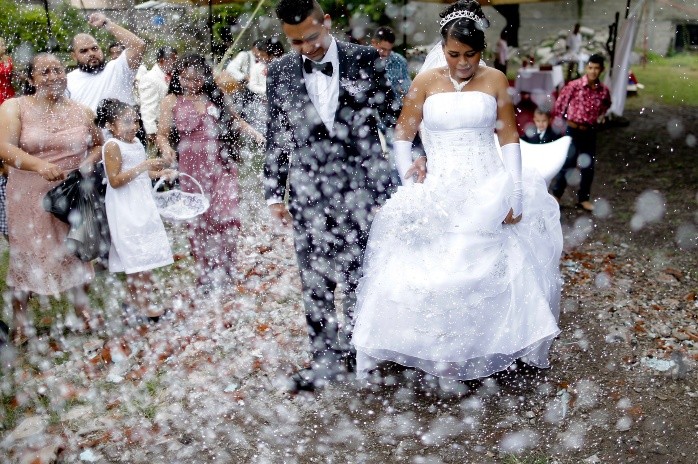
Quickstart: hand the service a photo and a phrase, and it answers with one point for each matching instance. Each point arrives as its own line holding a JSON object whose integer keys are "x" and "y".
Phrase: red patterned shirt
{"x": 581, "y": 103}
{"x": 6, "y": 90}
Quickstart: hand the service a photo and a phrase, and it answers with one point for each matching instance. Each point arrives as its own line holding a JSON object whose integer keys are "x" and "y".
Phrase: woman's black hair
{"x": 109, "y": 111}
{"x": 597, "y": 59}
{"x": 465, "y": 30}
{"x": 27, "y": 87}
{"x": 209, "y": 87}
{"x": 272, "y": 47}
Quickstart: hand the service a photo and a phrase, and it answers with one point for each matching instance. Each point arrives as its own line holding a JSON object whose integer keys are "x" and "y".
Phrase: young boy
{"x": 544, "y": 132}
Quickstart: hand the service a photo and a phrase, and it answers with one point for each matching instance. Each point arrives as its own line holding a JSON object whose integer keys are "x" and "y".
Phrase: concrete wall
{"x": 542, "y": 20}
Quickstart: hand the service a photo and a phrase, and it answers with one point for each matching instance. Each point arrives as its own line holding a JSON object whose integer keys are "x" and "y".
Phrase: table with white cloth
{"x": 534, "y": 80}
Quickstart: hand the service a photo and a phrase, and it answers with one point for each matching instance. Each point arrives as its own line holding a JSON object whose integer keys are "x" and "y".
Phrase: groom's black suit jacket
{"x": 345, "y": 173}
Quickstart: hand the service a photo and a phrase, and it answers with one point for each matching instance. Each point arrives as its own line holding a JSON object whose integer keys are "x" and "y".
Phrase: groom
{"x": 322, "y": 142}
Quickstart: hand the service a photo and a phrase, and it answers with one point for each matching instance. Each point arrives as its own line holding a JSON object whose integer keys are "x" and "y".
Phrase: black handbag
{"x": 63, "y": 198}
{"x": 79, "y": 202}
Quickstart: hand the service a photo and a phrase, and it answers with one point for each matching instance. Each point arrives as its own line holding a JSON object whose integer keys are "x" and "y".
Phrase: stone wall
{"x": 542, "y": 20}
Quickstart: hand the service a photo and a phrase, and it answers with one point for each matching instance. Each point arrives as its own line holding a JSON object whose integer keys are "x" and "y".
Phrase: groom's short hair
{"x": 297, "y": 11}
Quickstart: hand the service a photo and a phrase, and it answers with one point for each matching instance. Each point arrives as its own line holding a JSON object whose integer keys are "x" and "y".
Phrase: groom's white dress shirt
{"x": 323, "y": 90}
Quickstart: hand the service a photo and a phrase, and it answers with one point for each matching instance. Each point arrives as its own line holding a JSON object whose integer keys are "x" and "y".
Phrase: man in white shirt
{"x": 325, "y": 101}
{"x": 95, "y": 80}
{"x": 574, "y": 48}
{"x": 152, "y": 88}
{"x": 240, "y": 66}
{"x": 115, "y": 50}
{"x": 239, "y": 70}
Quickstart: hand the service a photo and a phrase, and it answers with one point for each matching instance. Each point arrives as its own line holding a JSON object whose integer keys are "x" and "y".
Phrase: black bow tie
{"x": 309, "y": 66}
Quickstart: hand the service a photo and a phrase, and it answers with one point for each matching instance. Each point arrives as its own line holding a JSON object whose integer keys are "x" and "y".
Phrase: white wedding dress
{"x": 447, "y": 288}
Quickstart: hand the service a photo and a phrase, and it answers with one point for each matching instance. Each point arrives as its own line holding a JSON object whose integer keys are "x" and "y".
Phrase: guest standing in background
{"x": 583, "y": 103}
{"x": 501, "y": 53}
{"x": 6, "y": 92}
{"x": 115, "y": 50}
{"x": 94, "y": 79}
{"x": 152, "y": 88}
{"x": 395, "y": 64}
{"x": 542, "y": 131}
{"x": 6, "y": 69}
{"x": 574, "y": 46}
{"x": 239, "y": 70}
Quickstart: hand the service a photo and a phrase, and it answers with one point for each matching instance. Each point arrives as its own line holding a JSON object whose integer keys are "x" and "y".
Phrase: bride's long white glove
{"x": 511, "y": 155}
{"x": 402, "y": 150}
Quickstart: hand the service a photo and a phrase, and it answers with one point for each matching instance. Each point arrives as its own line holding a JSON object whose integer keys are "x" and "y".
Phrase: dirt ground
{"x": 208, "y": 385}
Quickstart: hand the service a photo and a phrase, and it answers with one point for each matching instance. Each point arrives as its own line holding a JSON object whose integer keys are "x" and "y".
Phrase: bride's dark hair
{"x": 463, "y": 29}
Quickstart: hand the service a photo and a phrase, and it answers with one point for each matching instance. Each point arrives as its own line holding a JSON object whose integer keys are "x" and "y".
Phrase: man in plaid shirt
{"x": 583, "y": 103}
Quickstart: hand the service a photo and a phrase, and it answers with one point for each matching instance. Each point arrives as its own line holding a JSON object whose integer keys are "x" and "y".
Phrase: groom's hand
{"x": 280, "y": 214}
{"x": 419, "y": 167}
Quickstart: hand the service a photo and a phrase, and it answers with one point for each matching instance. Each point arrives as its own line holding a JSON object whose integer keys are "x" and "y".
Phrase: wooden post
{"x": 210, "y": 28}
{"x": 48, "y": 26}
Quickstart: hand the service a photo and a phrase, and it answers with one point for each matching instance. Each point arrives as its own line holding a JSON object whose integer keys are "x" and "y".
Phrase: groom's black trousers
{"x": 330, "y": 245}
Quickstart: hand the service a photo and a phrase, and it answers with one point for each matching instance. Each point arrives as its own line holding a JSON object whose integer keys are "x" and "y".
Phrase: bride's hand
{"x": 510, "y": 219}
{"x": 419, "y": 167}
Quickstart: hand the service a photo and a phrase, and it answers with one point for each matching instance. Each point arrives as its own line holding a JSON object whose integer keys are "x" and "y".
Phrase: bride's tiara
{"x": 482, "y": 24}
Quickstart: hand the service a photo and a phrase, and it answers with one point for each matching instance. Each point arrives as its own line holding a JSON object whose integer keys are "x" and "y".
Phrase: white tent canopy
{"x": 618, "y": 81}
{"x": 156, "y": 5}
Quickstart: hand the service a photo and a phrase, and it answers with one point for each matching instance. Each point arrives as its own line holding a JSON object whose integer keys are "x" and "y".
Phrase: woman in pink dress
{"x": 45, "y": 136}
{"x": 196, "y": 114}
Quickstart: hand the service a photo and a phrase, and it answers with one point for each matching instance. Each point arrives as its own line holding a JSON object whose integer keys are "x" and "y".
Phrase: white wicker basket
{"x": 176, "y": 205}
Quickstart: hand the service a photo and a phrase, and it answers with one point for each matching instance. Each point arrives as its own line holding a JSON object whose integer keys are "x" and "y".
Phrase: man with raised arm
{"x": 94, "y": 79}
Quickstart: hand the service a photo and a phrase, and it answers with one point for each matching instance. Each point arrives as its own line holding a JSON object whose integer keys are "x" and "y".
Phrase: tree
{"x": 342, "y": 10}
{"x": 20, "y": 24}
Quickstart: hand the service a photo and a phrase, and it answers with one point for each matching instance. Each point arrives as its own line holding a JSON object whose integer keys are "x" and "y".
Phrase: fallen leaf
{"x": 262, "y": 249}
{"x": 262, "y": 328}
{"x": 674, "y": 272}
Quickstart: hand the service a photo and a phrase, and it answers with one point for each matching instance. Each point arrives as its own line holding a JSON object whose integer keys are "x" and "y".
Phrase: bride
{"x": 461, "y": 272}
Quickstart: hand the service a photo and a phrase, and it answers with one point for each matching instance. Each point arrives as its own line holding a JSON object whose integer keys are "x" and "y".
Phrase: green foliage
{"x": 342, "y": 10}
{"x": 227, "y": 15}
{"x": 27, "y": 24}
{"x": 669, "y": 80}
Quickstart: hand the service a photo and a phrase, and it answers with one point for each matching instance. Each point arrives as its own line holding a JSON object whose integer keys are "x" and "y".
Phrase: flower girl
{"x": 138, "y": 238}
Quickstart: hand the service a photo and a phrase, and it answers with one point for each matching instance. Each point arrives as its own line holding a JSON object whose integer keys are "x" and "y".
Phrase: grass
{"x": 105, "y": 287}
{"x": 669, "y": 80}
{"x": 45, "y": 310}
